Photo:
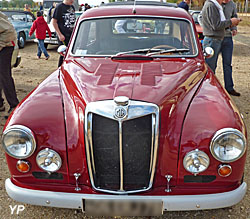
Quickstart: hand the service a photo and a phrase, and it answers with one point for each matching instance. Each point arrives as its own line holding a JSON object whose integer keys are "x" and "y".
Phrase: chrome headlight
{"x": 228, "y": 145}
{"x": 196, "y": 161}
{"x": 19, "y": 141}
{"x": 49, "y": 160}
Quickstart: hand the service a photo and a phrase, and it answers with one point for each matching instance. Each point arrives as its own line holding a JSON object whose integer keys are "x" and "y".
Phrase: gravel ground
{"x": 32, "y": 71}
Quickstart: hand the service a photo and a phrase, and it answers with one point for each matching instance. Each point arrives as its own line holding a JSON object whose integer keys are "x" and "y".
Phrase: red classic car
{"x": 133, "y": 123}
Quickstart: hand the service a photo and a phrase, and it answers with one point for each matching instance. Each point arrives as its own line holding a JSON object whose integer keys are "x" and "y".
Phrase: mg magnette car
{"x": 22, "y": 21}
{"x": 133, "y": 123}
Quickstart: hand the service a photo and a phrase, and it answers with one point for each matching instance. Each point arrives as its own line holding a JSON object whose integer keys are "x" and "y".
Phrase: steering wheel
{"x": 162, "y": 46}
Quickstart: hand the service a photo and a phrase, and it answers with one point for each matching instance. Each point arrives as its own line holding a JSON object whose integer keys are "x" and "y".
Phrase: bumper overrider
{"x": 168, "y": 203}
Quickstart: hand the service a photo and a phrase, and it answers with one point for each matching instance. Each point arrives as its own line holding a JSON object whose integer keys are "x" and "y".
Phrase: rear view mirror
{"x": 62, "y": 50}
{"x": 208, "y": 52}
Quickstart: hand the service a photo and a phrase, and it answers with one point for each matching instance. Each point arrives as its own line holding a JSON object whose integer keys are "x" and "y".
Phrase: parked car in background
{"x": 195, "y": 15}
{"x": 22, "y": 21}
{"x": 132, "y": 123}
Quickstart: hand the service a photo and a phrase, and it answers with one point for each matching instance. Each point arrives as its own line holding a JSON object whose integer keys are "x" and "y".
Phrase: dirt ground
{"x": 32, "y": 71}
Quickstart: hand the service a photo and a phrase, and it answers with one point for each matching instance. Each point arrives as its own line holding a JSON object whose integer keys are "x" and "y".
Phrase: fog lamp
{"x": 196, "y": 161}
{"x": 23, "y": 166}
{"x": 49, "y": 160}
{"x": 224, "y": 170}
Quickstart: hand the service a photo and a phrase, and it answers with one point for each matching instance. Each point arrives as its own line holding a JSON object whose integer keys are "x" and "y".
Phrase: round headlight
{"x": 228, "y": 145}
{"x": 196, "y": 161}
{"x": 49, "y": 160}
{"x": 18, "y": 141}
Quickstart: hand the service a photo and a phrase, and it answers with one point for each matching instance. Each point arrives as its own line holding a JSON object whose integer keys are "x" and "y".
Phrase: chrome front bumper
{"x": 170, "y": 203}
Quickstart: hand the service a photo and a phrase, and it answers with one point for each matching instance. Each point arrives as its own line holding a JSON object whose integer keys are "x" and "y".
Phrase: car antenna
{"x": 134, "y": 10}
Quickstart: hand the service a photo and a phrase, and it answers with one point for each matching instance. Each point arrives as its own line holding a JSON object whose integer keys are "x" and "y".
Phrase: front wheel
{"x": 46, "y": 45}
{"x": 21, "y": 40}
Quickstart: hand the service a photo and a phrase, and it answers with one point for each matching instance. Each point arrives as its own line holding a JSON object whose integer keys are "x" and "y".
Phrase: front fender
{"x": 211, "y": 110}
{"x": 42, "y": 112}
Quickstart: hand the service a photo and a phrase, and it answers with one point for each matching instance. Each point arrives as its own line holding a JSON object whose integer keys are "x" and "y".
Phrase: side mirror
{"x": 62, "y": 50}
{"x": 208, "y": 52}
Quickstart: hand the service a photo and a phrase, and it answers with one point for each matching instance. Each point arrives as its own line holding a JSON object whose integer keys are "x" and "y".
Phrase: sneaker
{"x": 234, "y": 93}
{"x": 2, "y": 108}
{"x": 38, "y": 57}
{"x": 47, "y": 58}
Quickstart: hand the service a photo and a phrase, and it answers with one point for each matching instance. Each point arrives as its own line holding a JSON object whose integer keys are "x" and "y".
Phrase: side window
{"x": 92, "y": 33}
{"x": 29, "y": 18}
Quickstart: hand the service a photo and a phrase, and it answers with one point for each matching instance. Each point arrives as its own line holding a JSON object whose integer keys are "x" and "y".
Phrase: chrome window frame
{"x": 136, "y": 16}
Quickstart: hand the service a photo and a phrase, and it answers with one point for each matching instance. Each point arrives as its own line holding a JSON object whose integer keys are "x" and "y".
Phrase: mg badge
{"x": 120, "y": 112}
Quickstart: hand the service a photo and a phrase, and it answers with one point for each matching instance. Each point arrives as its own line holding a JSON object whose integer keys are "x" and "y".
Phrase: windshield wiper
{"x": 138, "y": 51}
{"x": 169, "y": 51}
{"x": 131, "y": 57}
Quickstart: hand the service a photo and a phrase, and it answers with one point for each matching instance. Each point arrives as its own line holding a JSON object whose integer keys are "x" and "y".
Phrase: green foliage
{"x": 17, "y": 3}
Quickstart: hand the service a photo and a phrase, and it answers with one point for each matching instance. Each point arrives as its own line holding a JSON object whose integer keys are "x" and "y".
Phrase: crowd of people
{"x": 218, "y": 18}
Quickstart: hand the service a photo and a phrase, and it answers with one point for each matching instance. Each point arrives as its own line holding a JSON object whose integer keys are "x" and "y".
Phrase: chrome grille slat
{"x": 136, "y": 112}
{"x": 121, "y": 157}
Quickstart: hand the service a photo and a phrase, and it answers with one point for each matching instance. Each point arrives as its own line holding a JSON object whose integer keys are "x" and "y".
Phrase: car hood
{"x": 169, "y": 83}
{"x": 150, "y": 81}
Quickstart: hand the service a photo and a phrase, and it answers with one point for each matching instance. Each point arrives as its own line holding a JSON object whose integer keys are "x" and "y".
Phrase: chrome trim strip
{"x": 135, "y": 109}
{"x": 91, "y": 142}
{"x": 121, "y": 157}
{"x": 87, "y": 133}
{"x": 152, "y": 143}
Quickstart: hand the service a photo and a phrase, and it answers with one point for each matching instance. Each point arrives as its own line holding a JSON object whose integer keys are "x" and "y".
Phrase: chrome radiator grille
{"x": 121, "y": 148}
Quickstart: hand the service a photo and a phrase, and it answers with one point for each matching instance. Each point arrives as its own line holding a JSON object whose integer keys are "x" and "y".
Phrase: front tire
{"x": 21, "y": 40}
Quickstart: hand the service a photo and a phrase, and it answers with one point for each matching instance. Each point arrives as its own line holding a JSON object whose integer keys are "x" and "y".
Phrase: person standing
{"x": 230, "y": 11}
{"x": 214, "y": 24}
{"x": 63, "y": 20}
{"x": 184, "y": 4}
{"x": 27, "y": 8}
{"x": 8, "y": 38}
{"x": 40, "y": 26}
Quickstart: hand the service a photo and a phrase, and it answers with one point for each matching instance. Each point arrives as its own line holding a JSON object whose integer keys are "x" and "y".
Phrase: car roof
{"x": 18, "y": 11}
{"x": 152, "y": 3}
{"x": 128, "y": 9}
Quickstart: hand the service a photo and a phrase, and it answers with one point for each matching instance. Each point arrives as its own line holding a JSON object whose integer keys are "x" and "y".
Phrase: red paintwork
{"x": 199, "y": 28}
{"x": 193, "y": 106}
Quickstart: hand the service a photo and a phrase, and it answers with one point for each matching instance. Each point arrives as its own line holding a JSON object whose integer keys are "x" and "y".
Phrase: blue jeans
{"x": 41, "y": 48}
{"x": 216, "y": 45}
{"x": 227, "y": 53}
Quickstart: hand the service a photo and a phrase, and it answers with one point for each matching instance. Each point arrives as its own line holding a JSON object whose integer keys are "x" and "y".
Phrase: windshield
{"x": 112, "y": 36}
{"x": 16, "y": 16}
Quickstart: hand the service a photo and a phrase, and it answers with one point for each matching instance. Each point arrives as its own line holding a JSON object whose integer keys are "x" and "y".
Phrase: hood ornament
{"x": 121, "y": 109}
{"x": 121, "y": 100}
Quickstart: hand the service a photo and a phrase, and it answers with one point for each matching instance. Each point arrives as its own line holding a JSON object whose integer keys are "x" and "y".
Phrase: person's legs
{"x": 215, "y": 44}
{"x": 39, "y": 51}
{"x": 227, "y": 53}
{"x": 42, "y": 47}
{"x": 6, "y": 79}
